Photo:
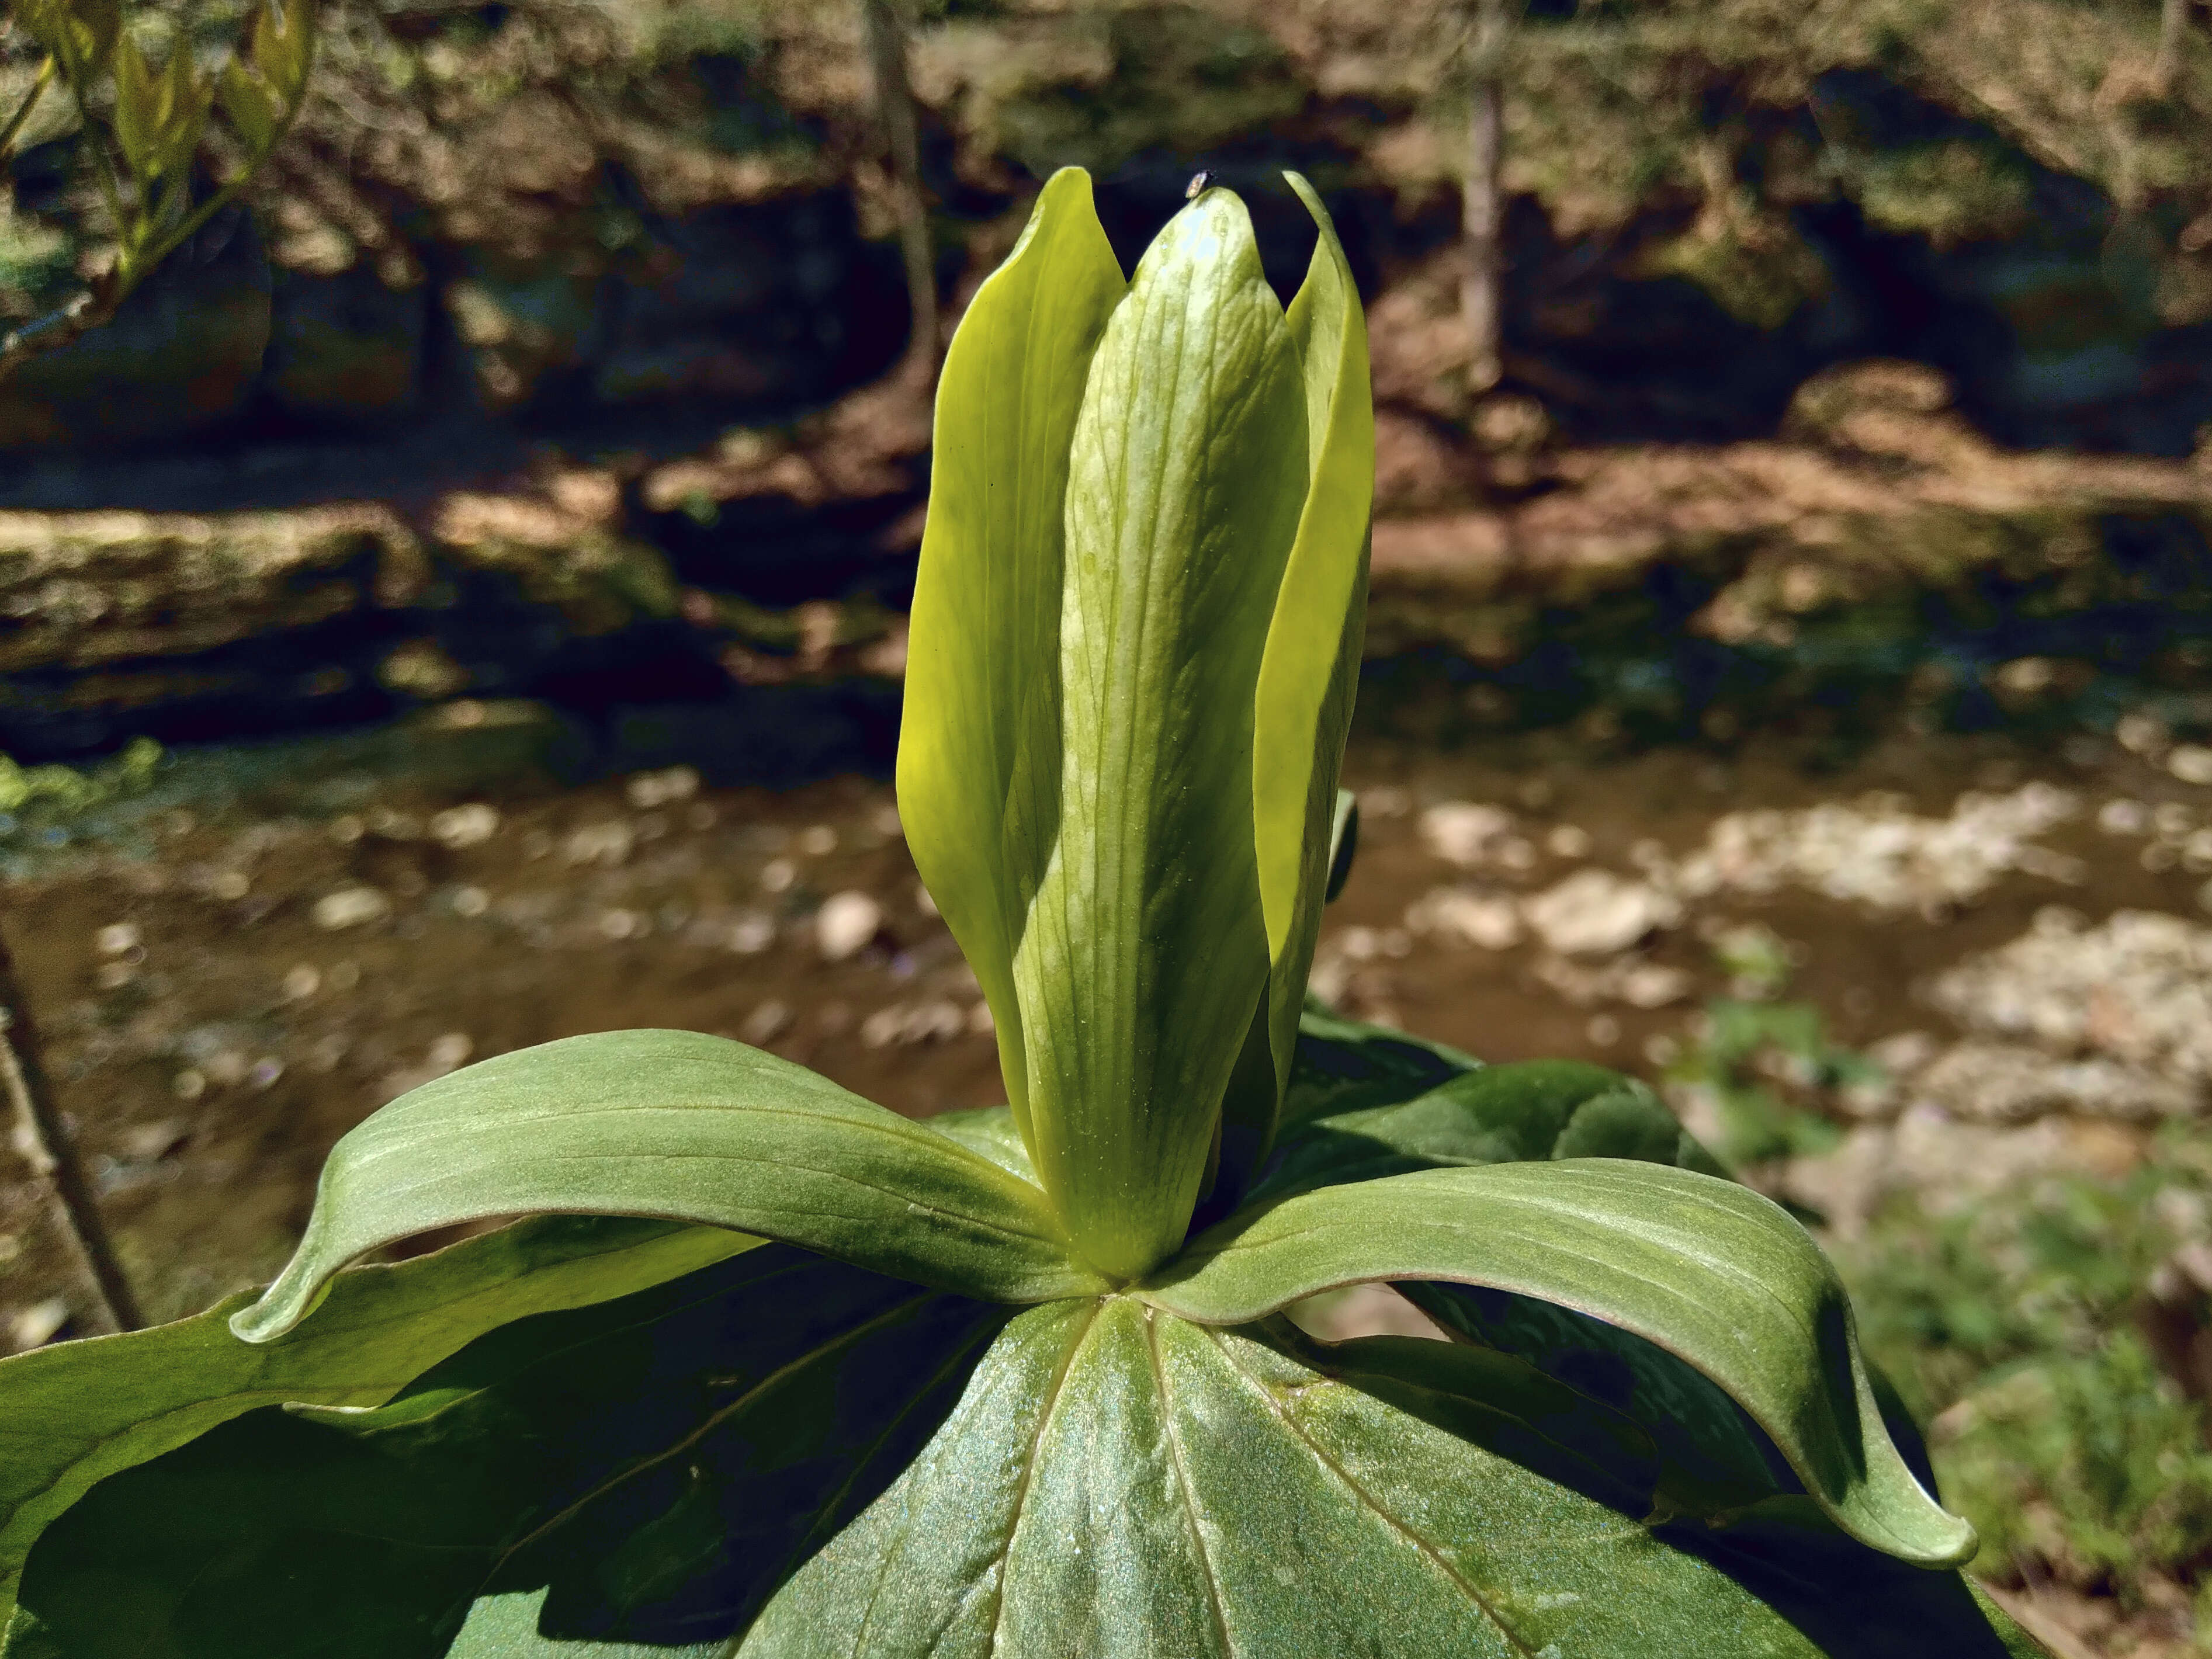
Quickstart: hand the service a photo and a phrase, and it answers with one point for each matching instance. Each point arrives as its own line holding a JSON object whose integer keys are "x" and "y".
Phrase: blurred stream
{"x": 238, "y": 964}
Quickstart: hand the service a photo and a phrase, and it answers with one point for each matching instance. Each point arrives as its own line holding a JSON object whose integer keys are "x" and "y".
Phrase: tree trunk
{"x": 1483, "y": 201}
{"x": 886, "y": 38}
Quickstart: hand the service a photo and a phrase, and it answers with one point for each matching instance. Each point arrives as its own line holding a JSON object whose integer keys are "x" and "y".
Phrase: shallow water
{"x": 231, "y": 976}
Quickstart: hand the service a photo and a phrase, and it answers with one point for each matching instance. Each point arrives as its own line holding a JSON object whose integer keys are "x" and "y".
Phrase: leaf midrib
{"x": 412, "y": 1143}
{"x": 1679, "y": 1242}
{"x": 1183, "y": 1481}
{"x": 1368, "y": 1500}
{"x": 1054, "y": 1393}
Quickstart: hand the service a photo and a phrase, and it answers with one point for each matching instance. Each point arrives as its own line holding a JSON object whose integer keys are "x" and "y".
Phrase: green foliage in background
{"x": 144, "y": 129}
{"x": 1757, "y": 1062}
{"x": 32, "y": 796}
{"x": 786, "y": 1374}
{"x": 2039, "y": 1331}
{"x": 1763, "y": 1067}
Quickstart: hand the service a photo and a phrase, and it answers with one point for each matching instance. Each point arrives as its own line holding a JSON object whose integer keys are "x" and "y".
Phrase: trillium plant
{"x": 767, "y": 1369}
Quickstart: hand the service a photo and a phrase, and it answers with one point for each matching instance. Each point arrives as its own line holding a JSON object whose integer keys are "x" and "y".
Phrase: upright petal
{"x": 979, "y": 748}
{"x": 1146, "y": 948}
{"x": 1307, "y": 679}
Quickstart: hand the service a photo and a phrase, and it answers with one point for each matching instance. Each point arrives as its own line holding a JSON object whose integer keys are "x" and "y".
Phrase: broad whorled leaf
{"x": 687, "y": 1127}
{"x": 1146, "y": 948}
{"x": 506, "y": 1627}
{"x": 1718, "y": 1459}
{"x": 76, "y": 1412}
{"x": 1706, "y": 1269}
{"x": 1118, "y": 1482}
{"x": 1342, "y": 1066}
{"x": 979, "y": 762}
{"x": 1528, "y": 1110}
{"x": 1532, "y": 1111}
{"x": 647, "y": 1470}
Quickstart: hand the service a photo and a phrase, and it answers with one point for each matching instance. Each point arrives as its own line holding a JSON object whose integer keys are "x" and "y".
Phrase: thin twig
{"x": 24, "y": 1078}
{"x": 15, "y": 127}
{"x": 61, "y": 326}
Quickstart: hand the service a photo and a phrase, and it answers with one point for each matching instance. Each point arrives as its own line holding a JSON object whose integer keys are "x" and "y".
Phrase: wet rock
{"x": 646, "y": 790}
{"x": 1876, "y": 853}
{"x": 80, "y": 590}
{"x": 1638, "y": 984}
{"x": 848, "y": 922}
{"x": 767, "y": 1021}
{"x": 1488, "y": 921}
{"x": 1464, "y": 833}
{"x": 1596, "y": 913}
{"x": 2136, "y": 987}
{"x": 39, "y": 1324}
{"x": 2191, "y": 763}
{"x": 1950, "y": 1163}
{"x": 459, "y": 827}
{"x": 1983, "y": 1082}
{"x": 350, "y": 907}
{"x": 606, "y": 844}
{"x": 923, "y": 1022}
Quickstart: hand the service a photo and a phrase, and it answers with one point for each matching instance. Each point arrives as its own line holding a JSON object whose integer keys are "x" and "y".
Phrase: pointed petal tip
{"x": 260, "y": 1321}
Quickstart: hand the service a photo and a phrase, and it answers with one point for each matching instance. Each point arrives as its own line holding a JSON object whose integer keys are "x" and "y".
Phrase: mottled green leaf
{"x": 685, "y": 1126}
{"x": 1146, "y": 949}
{"x": 1122, "y": 1483}
{"x": 979, "y": 741}
{"x": 76, "y": 1412}
{"x": 1718, "y": 1459}
{"x": 506, "y": 1627}
{"x": 1705, "y": 1268}
{"x": 1308, "y": 675}
{"x": 658, "y": 1464}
